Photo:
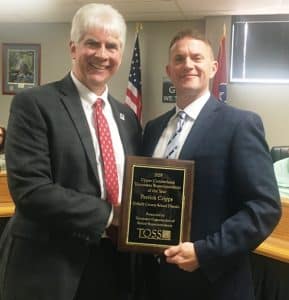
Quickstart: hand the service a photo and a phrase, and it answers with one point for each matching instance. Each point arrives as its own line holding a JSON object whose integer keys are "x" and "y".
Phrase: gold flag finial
{"x": 138, "y": 27}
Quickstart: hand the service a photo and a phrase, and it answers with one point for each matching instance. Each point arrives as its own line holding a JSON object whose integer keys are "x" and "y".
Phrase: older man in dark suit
{"x": 235, "y": 203}
{"x": 67, "y": 190}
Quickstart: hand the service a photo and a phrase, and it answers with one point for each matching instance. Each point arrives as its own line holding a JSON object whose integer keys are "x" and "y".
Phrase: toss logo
{"x": 153, "y": 234}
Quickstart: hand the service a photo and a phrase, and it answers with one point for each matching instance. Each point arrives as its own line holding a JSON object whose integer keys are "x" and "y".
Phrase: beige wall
{"x": 270, "y": 101}
{"x": 55, "y": 59}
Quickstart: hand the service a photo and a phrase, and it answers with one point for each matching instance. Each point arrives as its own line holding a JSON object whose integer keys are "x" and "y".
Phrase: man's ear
{"x": 168, "y": 71}
{"x": 214, "y": 68}
{"x": 72, "y": 49}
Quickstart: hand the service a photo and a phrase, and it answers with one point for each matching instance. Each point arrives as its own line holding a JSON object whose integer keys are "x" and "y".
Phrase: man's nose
{"x": 189, "y": 63}
{"x": 101, "y": 52}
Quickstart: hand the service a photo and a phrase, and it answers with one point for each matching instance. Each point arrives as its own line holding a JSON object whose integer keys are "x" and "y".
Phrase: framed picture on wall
{"x": 21, "y": 67}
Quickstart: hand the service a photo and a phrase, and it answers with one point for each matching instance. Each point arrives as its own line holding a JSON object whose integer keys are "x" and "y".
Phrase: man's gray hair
{"x": 98, "y": 16}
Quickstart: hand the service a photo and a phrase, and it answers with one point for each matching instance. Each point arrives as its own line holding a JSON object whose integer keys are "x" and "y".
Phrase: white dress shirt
{"x": 88, "y": 98}
{"x": 192, "y": 111}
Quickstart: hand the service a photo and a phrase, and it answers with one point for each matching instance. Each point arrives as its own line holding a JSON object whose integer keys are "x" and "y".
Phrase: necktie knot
{"x": 173, "y": 143}
{"x": 181, "y": 120}
{"x": 182, "y": 115}
{"x": 99, "y": 103}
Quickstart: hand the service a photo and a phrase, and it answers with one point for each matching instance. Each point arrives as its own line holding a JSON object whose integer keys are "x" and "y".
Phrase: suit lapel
{"x": 72, "y": 102}
{"x": 200, "y": 129}
{"x": 155, "y": 133}
{"x": 120, "y": 119}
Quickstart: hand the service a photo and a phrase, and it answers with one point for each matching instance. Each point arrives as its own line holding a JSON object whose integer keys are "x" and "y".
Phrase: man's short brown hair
{"x": 193, "y": 34}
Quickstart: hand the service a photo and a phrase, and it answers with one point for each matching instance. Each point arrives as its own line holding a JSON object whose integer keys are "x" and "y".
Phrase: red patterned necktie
{"x": 107, "y": 153}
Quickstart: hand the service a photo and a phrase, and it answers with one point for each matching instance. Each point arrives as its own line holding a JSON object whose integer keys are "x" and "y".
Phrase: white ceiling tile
{"x": 137, "y": 10}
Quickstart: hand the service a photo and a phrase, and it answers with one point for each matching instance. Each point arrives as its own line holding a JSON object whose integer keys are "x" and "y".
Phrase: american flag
{"x": 219, "y": 89}
{"x": 133, "y": 91}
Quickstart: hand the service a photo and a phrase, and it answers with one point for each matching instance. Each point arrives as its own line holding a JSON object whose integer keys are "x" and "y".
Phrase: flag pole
{"x": 224, "y": 29}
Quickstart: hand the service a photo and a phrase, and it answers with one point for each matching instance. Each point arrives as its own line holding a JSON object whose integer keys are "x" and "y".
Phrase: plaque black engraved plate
{"x": 156, "y": 204}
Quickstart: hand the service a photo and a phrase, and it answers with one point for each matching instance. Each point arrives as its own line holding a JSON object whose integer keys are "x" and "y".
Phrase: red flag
{"x": 219, "y": 89}
{"x": 133, "y": 91}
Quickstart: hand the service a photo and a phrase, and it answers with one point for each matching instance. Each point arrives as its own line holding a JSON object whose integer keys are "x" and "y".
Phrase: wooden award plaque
{"x": 156, "y": 204}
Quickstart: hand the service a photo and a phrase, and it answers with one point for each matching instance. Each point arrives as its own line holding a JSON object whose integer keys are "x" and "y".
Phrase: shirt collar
{"x": 193, "y": 109}
{"x": 86, "y": 94}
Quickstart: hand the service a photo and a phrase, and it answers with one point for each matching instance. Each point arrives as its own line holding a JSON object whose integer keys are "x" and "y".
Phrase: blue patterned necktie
{"x": 173, "y": 144}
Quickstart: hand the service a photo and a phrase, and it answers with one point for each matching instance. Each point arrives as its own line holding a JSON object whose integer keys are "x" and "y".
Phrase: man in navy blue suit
{"x": 236, "y": 203}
